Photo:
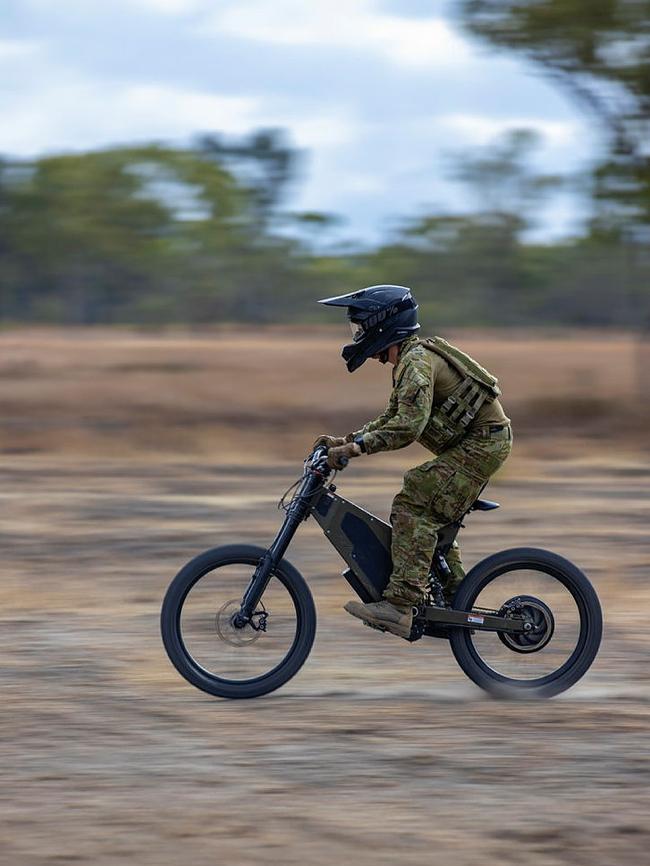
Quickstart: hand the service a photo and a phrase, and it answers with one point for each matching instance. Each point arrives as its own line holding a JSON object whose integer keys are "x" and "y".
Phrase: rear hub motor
{"x": 539, "y": 624}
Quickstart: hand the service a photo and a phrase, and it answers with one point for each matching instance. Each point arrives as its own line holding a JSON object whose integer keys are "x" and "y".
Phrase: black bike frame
{"x": 363, "y": 541}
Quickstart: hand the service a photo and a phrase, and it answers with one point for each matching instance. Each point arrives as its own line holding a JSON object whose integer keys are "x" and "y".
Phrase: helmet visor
{"x": 357, "y": 331}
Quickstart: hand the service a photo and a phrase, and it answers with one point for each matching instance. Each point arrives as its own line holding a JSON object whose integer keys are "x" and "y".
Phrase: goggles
{"x": 357, "y": 331}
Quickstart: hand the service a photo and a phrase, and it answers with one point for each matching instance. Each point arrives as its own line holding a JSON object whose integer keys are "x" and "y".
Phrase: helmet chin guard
{"x": 380, "y": 317}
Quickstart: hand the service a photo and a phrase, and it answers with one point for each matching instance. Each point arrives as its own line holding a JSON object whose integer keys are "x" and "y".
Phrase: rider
{"x": 446, "y": 401}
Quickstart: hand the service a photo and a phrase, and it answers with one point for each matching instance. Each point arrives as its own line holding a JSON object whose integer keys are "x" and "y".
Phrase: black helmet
{"x": 380, "y": 316}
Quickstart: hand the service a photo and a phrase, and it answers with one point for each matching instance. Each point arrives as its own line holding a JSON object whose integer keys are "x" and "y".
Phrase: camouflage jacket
{"x": 421, "y": 382}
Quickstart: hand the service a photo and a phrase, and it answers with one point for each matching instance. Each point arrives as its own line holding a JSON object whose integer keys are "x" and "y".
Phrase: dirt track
{"x": 378, "y": 752}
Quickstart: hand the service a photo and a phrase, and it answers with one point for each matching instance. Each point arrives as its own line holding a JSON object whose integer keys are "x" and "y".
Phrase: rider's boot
{"x": 384, "y": 615}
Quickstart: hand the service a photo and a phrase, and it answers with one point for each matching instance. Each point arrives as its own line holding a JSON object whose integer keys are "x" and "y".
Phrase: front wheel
{"x": 200, "y": 636}
{"x": 564, "y": 616}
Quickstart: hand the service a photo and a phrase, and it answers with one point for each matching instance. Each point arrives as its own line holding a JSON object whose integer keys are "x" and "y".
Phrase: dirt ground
{"x": 378, "y": 751}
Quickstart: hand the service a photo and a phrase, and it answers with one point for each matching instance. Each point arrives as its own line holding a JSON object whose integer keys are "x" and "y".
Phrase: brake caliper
{"x": 261, "y": 617}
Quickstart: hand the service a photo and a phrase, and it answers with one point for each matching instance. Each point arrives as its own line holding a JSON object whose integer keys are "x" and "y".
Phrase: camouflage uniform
{"x": 441, "y": 490}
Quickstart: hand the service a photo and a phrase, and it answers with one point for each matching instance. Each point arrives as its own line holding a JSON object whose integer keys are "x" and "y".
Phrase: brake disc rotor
{"x": 539, "y": 620}
{"x": 223, "y": 624}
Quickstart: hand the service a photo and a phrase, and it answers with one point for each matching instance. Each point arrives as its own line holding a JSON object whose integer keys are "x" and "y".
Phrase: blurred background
{"x": 180, "y": 180}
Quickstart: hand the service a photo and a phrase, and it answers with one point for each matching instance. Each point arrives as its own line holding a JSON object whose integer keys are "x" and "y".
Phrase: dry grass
{"x": 226, "y": 393}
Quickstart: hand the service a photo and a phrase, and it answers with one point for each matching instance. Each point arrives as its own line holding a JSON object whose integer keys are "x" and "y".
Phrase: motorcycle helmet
{"x": 380, "y": 317}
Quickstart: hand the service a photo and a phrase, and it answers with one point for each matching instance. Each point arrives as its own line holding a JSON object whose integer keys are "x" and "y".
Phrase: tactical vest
{"x": 450, "y": 421}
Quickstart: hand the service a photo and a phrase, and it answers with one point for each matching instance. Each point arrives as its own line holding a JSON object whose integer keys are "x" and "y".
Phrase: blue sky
{"x": 378, "y": 94}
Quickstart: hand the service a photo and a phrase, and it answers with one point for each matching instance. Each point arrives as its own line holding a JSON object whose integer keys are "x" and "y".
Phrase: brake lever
{"x": 317, "y": 460}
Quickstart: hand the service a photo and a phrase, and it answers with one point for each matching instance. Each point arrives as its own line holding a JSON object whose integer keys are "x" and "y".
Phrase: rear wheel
{"x": 563, "y": 616}
{"x": 201, "y": 637}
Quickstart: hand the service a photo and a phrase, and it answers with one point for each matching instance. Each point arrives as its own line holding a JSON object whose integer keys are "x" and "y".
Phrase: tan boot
{"x": 383, "y": 615}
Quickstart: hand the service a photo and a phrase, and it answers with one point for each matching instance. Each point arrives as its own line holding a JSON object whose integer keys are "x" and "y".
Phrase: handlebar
{"x": 318, "y": 459}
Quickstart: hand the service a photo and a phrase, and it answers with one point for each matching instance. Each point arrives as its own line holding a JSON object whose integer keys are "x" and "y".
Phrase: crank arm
{"x": 469, "y": 619}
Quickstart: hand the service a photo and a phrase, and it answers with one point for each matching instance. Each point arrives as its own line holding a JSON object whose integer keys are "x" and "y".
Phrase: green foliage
{"x": 599, "y": 52}
{"x": 156, "y": 235}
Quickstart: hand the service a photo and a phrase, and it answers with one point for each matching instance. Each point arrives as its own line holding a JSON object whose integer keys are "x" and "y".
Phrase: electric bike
{"x": 239, "y": 621}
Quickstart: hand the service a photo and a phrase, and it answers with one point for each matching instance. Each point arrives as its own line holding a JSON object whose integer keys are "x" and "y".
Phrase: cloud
{"x": 361, "y": 183}
{"x": 169, "y": 7}
{"x": 359, "y": 27}
{"x": 476, "y": 129}
{"x": 76, "y": 116}
{"x": 322, "y": 129}
{"x": 376, "y": 95}
{"x": 164, "y": 7}
{"x": 17, "y": 49}
{"x": 173, "y": 111}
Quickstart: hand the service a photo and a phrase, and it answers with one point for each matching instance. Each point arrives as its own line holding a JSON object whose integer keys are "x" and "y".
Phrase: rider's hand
{"x": 328, "y": 441}
{"x": 350, "y": 449}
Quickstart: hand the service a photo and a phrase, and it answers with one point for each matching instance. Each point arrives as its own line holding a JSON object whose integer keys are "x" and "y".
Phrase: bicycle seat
{"x": 484, "y": 505}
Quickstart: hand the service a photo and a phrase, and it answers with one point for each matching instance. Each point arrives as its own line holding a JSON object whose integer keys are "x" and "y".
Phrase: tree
{"x": 599, "y": 52}
{"x": 263, "y": 162}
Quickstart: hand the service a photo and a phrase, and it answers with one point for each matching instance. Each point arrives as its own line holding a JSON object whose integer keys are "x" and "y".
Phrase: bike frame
{"x": 363, "y": 541}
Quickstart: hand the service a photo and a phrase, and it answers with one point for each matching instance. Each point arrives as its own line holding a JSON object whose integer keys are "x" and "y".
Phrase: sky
{"x": 379, "y": 94}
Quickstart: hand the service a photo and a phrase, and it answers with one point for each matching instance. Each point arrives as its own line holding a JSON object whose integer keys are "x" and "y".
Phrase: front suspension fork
{"x": 298, "y": 511}
{"x": 255, "y": 589}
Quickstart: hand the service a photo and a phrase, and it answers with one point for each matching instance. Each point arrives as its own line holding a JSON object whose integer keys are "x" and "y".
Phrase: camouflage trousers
{"x": 434, "y": 494}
